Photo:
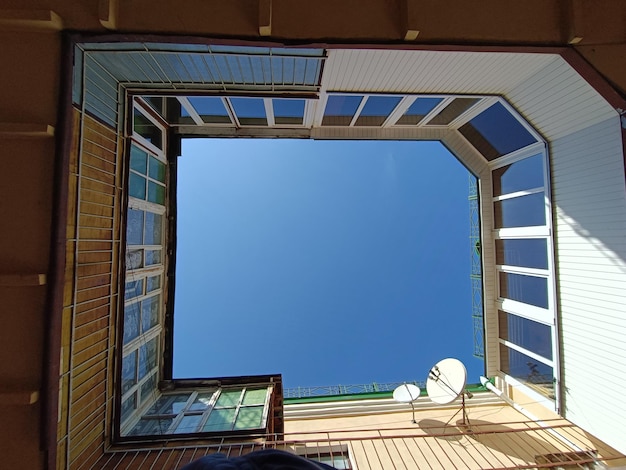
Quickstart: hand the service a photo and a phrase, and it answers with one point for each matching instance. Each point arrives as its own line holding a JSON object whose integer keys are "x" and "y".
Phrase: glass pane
{"x": 220, "y": 420}
{"x": 133, "y": 289}
{"x": 249, "y": 111}
{"x": 535, "y": 374}
{"x": 153, "y": 257}
{"x": 188, "y": 424}
{"x": 131, "y": 322}
{"x": 149, "y": 388}
{"x": 134, "y": 259}
{"x": 147, "y": 129}
{"x": 518, "y": 176}
{"x": 228, "y": 398}
{"x": 137, "y": 186}
{"x": 150, "y": 312}
{"x": 128, "y": 406}
{"x": 522, "y": 288}
{"x": 249, "y": 418}
{"x": 288, "y": 111}
{"x": 156, "y": 193}
{"x": 201, "y": 402}
{"x": 495, "y": 132}
{"x": 418, "y": 110}
{"x": 452, "y": 111}
{"x": 526, "y": 252}
{"x": 129, "y": 371}
{"x": 147, "y": 357}
{"x": 156, "y": 103}
{"x": 524, "y": 211}
{"x": 153, "y": 283}
{"x": 210, "y": 109}
{"x": 531, "y": 335}
{"x": 152, "y": 427}
{"x": 138, "y": 159}
{"x": 255, "y": 397}
{"x": 169, "y": 404}
{"x": 134, "y": 227}
{"x": 156, "y": 170}
{"x": 153, "y": 229}
{"x": 340, "y": 109}
{"x": 376, "y": 110}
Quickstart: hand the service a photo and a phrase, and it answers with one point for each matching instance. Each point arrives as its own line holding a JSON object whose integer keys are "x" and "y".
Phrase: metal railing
{"x": 330, "y": 390}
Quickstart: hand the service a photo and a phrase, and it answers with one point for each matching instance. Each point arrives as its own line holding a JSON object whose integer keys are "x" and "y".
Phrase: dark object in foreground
{"x": 260, "y": 460}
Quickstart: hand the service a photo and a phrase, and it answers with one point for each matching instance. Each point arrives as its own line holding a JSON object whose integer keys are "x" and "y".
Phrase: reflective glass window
{"x": 538, "y": 376}
{"x": 134, "y": 227}
{"x": 211, "y": 109}
{"x": 376, "y": 110}
{"x": 201, "y": 402}
{"x": 531, "y": 335}
{"x": 131, "y": 322}
{"x": 496, "y": 132}
{"x": 228, "y": 398}
{"x": 340, "y": 109}
{"x": 147, "y": 129}
{"x": 452, "y": 111}
{"x": 153, "y": 283}
{"x": 156, "y": 193}
{"x": 530, "y": 290}
{"x": 524, "y": 211}
{"x": 188, "y": 424}
{"x": 526, "y": 252}
{"x": 138, "y": 159}
{"x": 250, "y": 417}
{"x": 155, "y": 427}
{"x": 153, "y": 229}
{"x": 133, "y": 289}
{"x": 249, "y": 111}
{"x": 134, "y": 259}
{"x": 128, "y": 406}
{"x": 150, "y": 312}
{"x": 137, "y": 186}
{"x": 148, "y": 388}
{"x": 254, "y": 397}
{"x": 156, "y": 169}
{"x": 220, "y": 420}
{"x": 169, "y": 404}
{"x": 288, "y": 111}
{"x": 418, "y": 110}
{"x": 153, "y": 257}
{"x": 519, "y": 176}
{"x": 147, "y": 357}
{"x": 129, "y": 371}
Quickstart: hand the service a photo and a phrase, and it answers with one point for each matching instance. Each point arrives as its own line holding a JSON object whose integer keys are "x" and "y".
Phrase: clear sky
{"x": 331, "y": 262}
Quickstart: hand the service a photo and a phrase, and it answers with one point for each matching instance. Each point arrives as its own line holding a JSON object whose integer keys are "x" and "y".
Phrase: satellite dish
{"x": 446, "y": 381}
{"x": 406, "y": 393}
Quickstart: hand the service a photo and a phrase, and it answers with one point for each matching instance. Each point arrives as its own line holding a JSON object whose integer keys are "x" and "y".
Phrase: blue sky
{"x": 331, "y": 262}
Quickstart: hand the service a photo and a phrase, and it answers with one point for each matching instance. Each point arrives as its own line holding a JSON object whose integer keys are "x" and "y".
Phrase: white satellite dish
{"x": 407, "y": 393}
{"x": 446, "y": 381}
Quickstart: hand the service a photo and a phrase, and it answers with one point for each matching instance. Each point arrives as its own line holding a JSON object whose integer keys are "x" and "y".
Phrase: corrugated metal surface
{"x": 429, "y": 71}
{"x": 590, "y": 204}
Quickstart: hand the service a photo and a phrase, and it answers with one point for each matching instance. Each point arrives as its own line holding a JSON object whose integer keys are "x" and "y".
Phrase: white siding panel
{"x": 589, "y": 194}
{"x": 558, "y": 102}
{"x": 429, "y": 71}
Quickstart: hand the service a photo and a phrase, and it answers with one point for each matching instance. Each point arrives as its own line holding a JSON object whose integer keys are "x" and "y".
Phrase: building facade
{"x": 91, "y": 124}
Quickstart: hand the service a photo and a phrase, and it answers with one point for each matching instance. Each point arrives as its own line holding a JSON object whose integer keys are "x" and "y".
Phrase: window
{"x": 420, "y": 108}
{"x": 376, "y": 110}
{"x": 206, "y": 411}
{"x": 144, "y": 276}
{"x": 340, "y": 109}
{"x": 452, "y": 111}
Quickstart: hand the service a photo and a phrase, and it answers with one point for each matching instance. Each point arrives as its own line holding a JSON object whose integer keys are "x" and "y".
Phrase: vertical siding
{"x": 90, "y": 293}
{"x": 590, "y": 205}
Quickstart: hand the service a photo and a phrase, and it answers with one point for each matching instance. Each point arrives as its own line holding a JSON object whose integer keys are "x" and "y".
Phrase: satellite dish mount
{"x": 446, "y": 382}
{"x": 407, "y": 393}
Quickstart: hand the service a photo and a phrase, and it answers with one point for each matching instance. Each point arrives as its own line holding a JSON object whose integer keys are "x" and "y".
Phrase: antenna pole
{"x": 413, "y": 408}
